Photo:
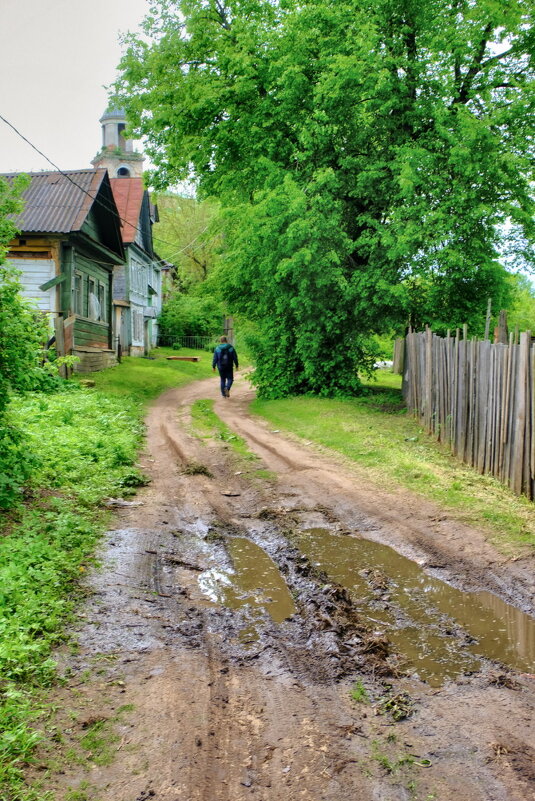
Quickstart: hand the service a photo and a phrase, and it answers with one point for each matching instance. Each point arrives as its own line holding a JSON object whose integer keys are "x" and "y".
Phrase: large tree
{"x": 364, "y": 149}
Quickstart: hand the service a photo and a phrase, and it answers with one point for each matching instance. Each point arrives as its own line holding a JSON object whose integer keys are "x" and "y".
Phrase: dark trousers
{"x": 227, "y": 377}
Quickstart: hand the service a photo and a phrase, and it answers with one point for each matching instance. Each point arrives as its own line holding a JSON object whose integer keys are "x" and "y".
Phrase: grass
{"x": 359, "y": 693}
{"x": 388, "y": 446}
{"x": 142, "y": 380}
{"x": 85, "y": 444}
{"x": 207, "y": 425}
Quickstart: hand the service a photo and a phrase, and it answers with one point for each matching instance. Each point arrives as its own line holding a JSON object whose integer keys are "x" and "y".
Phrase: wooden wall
{"x": 479, "y": 398}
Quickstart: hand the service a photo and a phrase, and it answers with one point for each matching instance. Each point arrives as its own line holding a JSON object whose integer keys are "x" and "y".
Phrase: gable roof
{"x": 59, "y": 202}
{"x": 129, "y": 194}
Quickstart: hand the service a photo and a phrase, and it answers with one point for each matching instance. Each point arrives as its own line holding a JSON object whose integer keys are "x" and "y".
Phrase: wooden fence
{"x": 477, "y": 397}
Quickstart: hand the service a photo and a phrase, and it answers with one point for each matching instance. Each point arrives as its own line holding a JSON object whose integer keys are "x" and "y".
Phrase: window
{"x": 93, "y": 305}
{"x": 103, "y": 302}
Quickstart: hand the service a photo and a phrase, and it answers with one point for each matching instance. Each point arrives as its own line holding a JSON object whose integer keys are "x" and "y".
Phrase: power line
{"x": 94, "y": 197}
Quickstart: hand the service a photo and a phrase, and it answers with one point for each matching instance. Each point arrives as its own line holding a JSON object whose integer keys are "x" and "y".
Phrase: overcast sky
{"x": 56, "y": 56}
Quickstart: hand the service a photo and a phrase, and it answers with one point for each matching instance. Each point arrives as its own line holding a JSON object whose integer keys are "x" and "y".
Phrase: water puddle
{"x": 421, "y": 614}
{"x": 255, "y": 582}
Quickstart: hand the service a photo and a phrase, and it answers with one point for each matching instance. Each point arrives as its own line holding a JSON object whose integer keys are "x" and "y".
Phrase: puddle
{"x": 255, "y": 582}
{"x": 417, "y": 611}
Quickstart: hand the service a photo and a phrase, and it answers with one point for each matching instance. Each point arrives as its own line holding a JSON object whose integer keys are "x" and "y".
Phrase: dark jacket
{"x": 232, "y": 360}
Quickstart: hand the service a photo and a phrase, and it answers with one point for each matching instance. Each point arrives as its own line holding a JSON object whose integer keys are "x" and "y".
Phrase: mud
{"x": 234, "y": 617}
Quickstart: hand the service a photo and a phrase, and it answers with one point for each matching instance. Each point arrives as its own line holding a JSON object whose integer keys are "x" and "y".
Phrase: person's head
{"x": 223, "y": 339}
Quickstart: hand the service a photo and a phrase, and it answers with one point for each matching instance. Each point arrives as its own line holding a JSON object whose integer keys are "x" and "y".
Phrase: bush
{"x": 23, "y": 332}
{"x": 16, "y": 463}
{"x": 189, "y": 315}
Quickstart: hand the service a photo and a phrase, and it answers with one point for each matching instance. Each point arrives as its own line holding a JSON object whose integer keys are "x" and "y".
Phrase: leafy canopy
{"x": 373, "y": 156}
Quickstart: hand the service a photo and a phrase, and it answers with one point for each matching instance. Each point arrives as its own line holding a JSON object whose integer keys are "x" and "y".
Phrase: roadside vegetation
{"x": 375, "y": 432}
{"x": 207, "y": 425}
{"x": 81, "y": 446}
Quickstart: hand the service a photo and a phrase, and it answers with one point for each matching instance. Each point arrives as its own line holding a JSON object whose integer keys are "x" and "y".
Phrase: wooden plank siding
{"x": 479, "y": 398}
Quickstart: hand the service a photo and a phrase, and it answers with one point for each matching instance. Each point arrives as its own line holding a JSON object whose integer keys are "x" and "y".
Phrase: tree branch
{"x": 475, "y": 68}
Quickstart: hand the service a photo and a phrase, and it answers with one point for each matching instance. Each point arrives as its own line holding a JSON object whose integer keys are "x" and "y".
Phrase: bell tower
{"x": 117, "y": 153}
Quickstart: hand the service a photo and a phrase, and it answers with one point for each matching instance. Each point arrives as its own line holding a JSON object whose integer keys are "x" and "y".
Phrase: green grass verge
{"x": 142, "y": 380}
{"x": 376, "y": 433}
{"x": 85, "y": 445}
{"x": 207, "y": 425}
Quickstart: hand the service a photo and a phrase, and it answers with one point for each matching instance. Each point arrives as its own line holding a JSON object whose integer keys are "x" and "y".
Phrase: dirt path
{"x": 222, "y": 638}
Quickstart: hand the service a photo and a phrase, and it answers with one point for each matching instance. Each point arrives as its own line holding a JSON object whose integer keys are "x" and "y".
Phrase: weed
{"x": 266, "y": 475}
{"x": 397, "y": 706}
{"x": 98, "y": 741}
{"x": 382, "y": 759}
{"x": 359, "y": 693}
{"x": 84, "y": 792}
{"x": 391, "y": 765}
{"x": 197, "y": 469}
{"x": 215, "y": 536}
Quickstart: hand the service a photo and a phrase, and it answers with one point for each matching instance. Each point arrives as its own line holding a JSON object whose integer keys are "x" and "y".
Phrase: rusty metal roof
{"x": 128, "y": 194}
{"x": 57, "y": 202}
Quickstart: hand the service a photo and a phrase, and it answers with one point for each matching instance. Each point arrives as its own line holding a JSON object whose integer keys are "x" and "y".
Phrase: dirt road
{"x": 238, "y": 610}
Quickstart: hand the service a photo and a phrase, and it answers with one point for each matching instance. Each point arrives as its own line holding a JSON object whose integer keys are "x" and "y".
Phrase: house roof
{"x": 128, "y": 194}
{"x": 58, "y": 202}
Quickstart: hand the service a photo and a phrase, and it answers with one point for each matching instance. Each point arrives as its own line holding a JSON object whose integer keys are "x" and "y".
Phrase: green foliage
{"x": 83, "y": 448}
{"x": 22, "y": 334}
{"x": 359, "y": 693}
{"x": 78, "y": 442}
{"x": 17, "y": 463}
{"x": 368, "y": 155}
{"x": 189, "y": 235}
{"x": 22, "y": 330}
{"x": 521, "y": 311}
{"x": 189, "y": 315}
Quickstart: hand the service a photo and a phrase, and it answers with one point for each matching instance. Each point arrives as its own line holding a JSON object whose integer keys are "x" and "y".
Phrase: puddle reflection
{"x": 414, "y": 608}
{"x": 255, "y": 582}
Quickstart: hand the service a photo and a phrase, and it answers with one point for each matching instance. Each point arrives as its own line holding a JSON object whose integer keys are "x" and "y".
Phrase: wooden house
{"x": 137, "y": 284}
{"x": 69, "y": 244}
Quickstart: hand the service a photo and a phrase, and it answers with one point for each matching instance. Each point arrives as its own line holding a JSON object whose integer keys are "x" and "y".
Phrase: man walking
{"x": 225, "y": 357}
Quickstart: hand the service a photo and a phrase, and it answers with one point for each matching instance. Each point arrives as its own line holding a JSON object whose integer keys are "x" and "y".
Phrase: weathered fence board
{"x": 477, "y": 397}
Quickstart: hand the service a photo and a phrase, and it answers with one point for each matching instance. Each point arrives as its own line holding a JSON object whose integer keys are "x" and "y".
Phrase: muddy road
{"x": 273, "y": 627}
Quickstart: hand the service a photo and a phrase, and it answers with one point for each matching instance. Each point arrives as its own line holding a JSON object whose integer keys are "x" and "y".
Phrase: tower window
{"x": 123, "y": 172}
{"x": 120, "y": 131}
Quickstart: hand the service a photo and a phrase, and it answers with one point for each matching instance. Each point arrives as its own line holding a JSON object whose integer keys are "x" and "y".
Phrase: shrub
{"x": 189, "y": 315}
{"x": 16, "y": 463}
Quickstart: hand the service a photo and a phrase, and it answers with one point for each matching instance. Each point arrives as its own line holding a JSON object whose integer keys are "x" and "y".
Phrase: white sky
{"x": 55, "y": 58}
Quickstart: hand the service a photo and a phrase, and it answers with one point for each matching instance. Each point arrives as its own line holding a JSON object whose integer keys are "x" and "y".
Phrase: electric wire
{"x": 94, "y": 197}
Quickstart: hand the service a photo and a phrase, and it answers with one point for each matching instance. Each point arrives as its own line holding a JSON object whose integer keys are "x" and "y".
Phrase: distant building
{"x": 137, "y": 284}
{"x": 70, "y": 242}
{"x": 117, "y": 153}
